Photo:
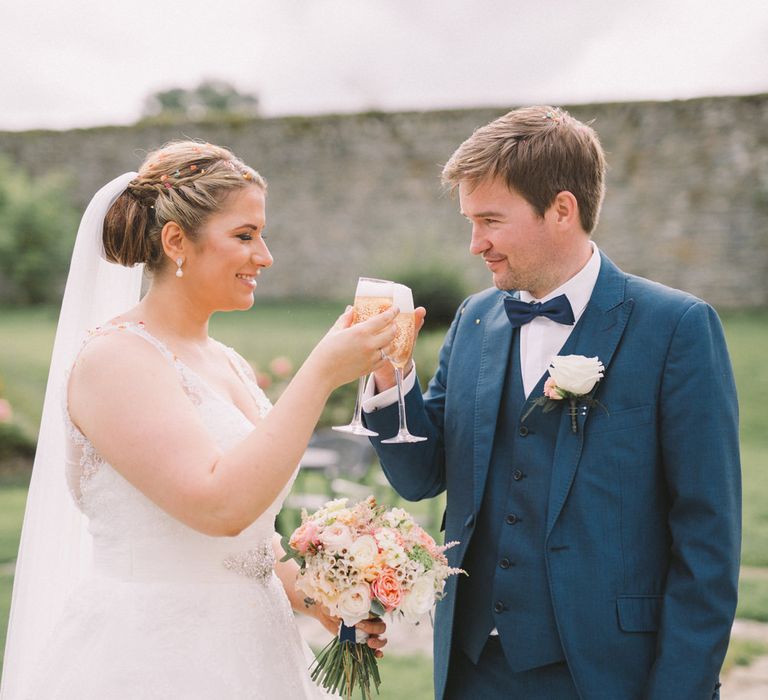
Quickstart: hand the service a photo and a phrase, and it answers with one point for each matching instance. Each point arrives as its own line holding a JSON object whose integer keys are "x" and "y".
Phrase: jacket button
{"x": 517, "y": 475}
{"x": 505, "y": 563}
{"x": 524, "y": 430}
{"x": 498, "y": 607}
{"x": 511, "y": 519}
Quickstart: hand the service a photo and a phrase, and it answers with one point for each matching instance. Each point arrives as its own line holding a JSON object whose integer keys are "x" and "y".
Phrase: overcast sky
{"x": 89, "y": 62}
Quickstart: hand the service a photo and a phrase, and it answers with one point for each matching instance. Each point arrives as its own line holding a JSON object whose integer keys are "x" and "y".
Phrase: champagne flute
{"x": 400, "y": 355}
{"x": 372, "y": 296}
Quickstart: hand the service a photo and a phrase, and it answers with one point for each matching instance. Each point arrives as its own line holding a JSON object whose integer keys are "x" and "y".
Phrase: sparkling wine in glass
{"x": 372, "y": 296}
{"x": 400, "y": 354}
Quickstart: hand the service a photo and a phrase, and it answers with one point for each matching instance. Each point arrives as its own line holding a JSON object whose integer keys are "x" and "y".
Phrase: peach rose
{"x": 6, "y": 412}
{"x": 387, "y": 589}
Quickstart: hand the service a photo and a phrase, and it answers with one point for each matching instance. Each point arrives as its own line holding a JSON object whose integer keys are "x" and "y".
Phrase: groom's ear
{"x": 174, "y": 241}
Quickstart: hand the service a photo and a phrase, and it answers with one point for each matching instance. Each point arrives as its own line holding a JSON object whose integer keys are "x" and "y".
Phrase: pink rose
{"x": 281, "y": 366}
{"x": 305, "y": 536}
{"x": 387, "y": 589}
{"x": 425, "y": 540}
{"x": 263, "y": 380}
{"x": 6, "y": 412}
{"x": 550, "y": 390}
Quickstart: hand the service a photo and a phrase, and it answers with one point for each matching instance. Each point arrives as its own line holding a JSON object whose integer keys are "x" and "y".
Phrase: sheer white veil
{"x": 55, "y": 545}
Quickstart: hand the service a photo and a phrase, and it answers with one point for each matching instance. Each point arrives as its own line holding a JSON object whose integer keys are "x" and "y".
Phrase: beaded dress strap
{"x": 245, "y": 372}
{"x": 138, "y": 328}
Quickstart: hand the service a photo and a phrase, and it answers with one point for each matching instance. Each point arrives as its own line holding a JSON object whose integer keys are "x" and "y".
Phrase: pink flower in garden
{"x": 6, "y": 412}
{"x": 387, "y": 589}
{"x": 306, "y": 536}
{"x": 281, "y": 367}
{"x": 263, "y": 380}
{"x": 550, "y": 390}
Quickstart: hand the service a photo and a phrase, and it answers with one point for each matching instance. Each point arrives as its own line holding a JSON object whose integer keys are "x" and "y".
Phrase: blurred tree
{"x": 210, "y": 98}
{"x": 37, "y": 226}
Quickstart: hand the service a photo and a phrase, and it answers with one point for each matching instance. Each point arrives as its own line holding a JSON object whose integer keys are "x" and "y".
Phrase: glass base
{"x": 403, "y": 436}
{"x": 355, "y": 429}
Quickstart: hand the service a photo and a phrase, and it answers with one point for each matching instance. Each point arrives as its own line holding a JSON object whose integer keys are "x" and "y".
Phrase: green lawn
{"x": 292, "y": 329}
{"x": 12, "y": 500}
{"x": 753, "y": 598}
{"x": 741, "y": 652}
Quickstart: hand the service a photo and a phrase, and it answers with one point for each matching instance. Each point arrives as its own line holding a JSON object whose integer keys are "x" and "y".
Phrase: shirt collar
{"x": 578, "y": 289}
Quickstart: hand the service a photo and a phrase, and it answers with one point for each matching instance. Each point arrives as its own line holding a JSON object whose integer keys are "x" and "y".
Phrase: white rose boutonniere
{"x": 571, "y": 377}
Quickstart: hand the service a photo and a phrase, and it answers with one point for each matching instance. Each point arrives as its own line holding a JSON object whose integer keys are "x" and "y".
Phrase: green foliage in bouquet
{"x": 341, "y": 666}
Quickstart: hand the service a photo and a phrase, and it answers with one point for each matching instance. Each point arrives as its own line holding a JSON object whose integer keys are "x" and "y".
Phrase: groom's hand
{"x": 374, "y": 628}
{"x": 384, "y": 377}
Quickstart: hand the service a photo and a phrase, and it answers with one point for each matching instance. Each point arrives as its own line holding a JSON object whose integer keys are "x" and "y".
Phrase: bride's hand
{"x": 349, "y": 351}
{"x": 374, "y": 628}
{"x": 385, "y": 374}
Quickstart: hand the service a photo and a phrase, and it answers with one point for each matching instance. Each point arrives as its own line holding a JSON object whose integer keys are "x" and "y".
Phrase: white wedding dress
{"x": 168, "y": 612}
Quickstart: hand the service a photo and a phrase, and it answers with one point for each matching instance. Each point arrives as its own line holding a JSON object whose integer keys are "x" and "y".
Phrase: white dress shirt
{"x": 540, "y": 339}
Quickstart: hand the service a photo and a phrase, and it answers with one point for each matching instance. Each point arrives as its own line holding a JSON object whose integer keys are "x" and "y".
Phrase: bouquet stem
{"x": 343, "y": 664}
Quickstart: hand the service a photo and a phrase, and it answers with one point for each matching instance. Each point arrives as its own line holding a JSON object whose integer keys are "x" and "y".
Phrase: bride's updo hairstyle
{"x": 184, "y": 182}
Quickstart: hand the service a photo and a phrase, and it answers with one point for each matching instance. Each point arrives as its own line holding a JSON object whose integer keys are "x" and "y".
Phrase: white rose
{"x": 336, "y": 537}
{"x": 335, "y": 505}
{"x": 576, "y": 374}
{"x": 353, "y": 604}
{"x": 363, "y": 551}
{"x": 419, "y": 600}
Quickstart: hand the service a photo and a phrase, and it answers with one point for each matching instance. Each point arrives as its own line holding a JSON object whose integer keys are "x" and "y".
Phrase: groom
{"x": 602, "y": 562}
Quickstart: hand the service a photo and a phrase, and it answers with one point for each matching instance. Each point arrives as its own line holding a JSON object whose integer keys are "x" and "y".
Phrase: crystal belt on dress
{"x": 198, "y": 562}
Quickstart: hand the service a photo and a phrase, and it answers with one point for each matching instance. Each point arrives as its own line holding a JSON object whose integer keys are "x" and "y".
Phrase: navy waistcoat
{"x": 507, "y": 585}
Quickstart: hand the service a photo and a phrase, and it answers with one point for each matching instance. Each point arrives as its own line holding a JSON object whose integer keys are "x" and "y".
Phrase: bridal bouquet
{"x": 363, "y": 561}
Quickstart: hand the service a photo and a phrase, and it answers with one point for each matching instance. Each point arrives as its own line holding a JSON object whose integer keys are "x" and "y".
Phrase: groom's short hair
{"x": 538, "y": 152}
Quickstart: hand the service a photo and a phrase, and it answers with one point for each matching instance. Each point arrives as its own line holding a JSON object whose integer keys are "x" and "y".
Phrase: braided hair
{"x": 184, "y": 182}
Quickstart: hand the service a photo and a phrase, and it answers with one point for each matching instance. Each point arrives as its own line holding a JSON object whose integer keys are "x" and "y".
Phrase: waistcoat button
{"x": 505, "y": 563}
{"x": 511, "y": 519}
{"x": 524, "y": 430}
{"x": 498, "y": 607}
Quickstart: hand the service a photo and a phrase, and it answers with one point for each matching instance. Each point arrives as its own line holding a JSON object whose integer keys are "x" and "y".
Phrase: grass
{"x": 6, "y": 586}
{"x": 12, "y": 500}
{"x": 753, "y": 598}
{"x": 406, "y": 677}
{"x": 742, "y": 652}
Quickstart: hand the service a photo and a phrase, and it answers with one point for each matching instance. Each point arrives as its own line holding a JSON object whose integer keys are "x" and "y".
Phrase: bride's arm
{"x": 128, "y": 401}
{"x": 287, "y": 571}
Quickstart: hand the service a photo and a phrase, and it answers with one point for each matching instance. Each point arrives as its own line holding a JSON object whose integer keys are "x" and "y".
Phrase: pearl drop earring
{"x": 179, "y": 271}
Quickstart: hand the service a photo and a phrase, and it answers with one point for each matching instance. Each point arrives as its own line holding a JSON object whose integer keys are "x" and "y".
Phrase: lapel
{"x": 494, "y": 357}
{"x": 600, "y": 329}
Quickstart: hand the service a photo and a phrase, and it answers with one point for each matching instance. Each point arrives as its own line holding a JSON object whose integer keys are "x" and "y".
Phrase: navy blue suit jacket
{"x": 643, "y": 523}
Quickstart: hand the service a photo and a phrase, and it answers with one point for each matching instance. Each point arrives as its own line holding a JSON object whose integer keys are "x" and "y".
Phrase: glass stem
{"x": 357, "y": 418}
{"x": 400, "y": 400}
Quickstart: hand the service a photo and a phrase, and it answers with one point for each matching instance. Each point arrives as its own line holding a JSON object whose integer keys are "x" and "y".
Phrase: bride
{"x": 173, "y": 454}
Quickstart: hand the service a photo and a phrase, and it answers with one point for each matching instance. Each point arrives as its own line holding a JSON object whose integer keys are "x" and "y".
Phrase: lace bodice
{"x": 133, "y": 537}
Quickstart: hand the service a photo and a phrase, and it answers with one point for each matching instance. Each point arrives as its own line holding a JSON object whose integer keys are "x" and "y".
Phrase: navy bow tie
{"x": 521, "y": 312}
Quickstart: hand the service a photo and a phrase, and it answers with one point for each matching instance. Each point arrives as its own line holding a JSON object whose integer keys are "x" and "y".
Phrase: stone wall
{"x": 687, "y": 200}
